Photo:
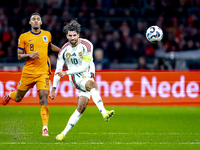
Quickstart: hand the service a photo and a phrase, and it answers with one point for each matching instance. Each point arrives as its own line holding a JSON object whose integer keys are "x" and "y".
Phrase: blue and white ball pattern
{"x": 154, "y": 34}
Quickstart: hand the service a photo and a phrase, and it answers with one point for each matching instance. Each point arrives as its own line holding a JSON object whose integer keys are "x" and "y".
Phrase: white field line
{"x": 121, "y": 133}
{"x": 101, "y": 143}
{"x": 110, "y": 133}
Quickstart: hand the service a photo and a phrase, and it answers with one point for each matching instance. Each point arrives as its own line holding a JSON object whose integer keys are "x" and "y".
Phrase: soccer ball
{"x": 154, "y": 34}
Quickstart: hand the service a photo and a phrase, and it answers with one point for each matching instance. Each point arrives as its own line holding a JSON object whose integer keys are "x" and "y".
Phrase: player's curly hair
{"x": 72, "y": 26}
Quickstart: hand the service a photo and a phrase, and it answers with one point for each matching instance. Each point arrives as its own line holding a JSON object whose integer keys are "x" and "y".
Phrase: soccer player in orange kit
{"x": 33, "y": 46}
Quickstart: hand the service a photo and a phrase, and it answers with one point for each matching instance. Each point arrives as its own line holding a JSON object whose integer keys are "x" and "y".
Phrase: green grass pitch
{"x": 155, "y": 128}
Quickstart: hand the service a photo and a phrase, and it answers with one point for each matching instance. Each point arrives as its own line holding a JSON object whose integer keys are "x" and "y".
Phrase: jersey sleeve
{"x": 88, "y": 51}
{"x": 50, "y": 37}
{"x": 59, "y": 67}
{"x": 21, "y": 43}
{"x": 60, "y": 62}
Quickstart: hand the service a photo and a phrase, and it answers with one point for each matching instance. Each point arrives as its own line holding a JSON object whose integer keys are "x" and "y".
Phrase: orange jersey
{"x": 31, "y": 42}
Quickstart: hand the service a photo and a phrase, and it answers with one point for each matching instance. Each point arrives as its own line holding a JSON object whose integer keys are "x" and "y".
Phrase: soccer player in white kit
{"x": 78, "y": 55}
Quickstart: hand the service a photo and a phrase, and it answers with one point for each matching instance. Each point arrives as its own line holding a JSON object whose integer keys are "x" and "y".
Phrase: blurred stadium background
{"x": 115, "y": 27}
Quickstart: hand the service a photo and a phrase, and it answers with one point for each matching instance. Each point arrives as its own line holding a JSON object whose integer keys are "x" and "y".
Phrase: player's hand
{"x": 52, "y": 95}
{"x": 61, "y": 73}
{"x": 34, "y": 55}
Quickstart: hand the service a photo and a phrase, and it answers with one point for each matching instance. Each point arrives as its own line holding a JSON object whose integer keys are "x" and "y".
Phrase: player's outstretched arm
{"x": 54, "y": 47}
{"x": 56, "y": 79}
{"x": 61, "y": 73}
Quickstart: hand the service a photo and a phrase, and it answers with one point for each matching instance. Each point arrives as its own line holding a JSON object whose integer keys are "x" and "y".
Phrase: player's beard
{"x": 74, "y": 43}
{"x": 35, "y": 28}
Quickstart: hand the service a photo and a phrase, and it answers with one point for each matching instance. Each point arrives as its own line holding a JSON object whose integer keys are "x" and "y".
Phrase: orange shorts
{"x": 28, "y": 81}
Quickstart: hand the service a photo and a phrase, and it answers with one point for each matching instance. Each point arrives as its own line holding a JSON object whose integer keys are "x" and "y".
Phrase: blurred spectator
{"x": 161, "y": 47}
{"x": 3, "y": 18}
{"x": 62, "y": 42}
{"x": 83, "y": 11}
{"x": 180, "y": 35}
{"x": 49, "y": 19}
{"x": 24, "y": 26}
{"x": 112, "y": 12}
{"x": 128, "y": 43}
{"x": 189, "y": 45}
{"x": 196, "y": 3}
{"x": 66, "y": 4}
{"x": 117, "y": 36}
{"x": 115, "y": 3}
{"x": 10, "y": 54}
{"x": 86, "y": 34}
{"x": 54, "y": 3}
{"x": 160, "y": 21}
{"x": 94, "y": 39}
{"x": 190, "y": 28}
{"x": 98, "y": 4}
{"x": 30, "y": 7}
{"x": 151, "y": 10}
{"x": 11, "y": 51}
{"x": 18, "y": 12}
{"x": 165, "y": 8}
{"x": 142, "y": 63}
{"x": 100, "y": 61}
{"x": 127, "y": 13}
{"x": 149, "y": 50}
{"x": 159, "y": 64}
{"x": 172, "y": 46}
{"x": 94, "y": 25}
{"x": 141, "y": 27}
{"x": 107, "y": 27}
{"x": 139, "y": 39}
{"x": 104, "y": 46}
{"x": 57, "y": 33}
{"x": 6, "y": 36}
{"x": 2, "y": 53}
{"x": 172, "y": 28}
{"x": 136, "y": 51}
{"x": 125, "y": 29}
{"x": 66, "y": 16}
{"x": 117, "y": 53}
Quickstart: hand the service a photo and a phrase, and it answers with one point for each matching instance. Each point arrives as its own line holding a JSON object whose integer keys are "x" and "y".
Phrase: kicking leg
{"x": 81, "y": 106}
{"x": 92, "y": 87}
{"x": 13, "y": 95}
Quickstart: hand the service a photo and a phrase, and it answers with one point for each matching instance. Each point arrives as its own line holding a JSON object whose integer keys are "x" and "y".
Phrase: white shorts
{"x": 78, "y": 81}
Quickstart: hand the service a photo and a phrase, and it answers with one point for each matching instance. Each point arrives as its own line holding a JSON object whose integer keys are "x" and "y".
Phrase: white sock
{"x": 72, "y": 121}
{"x": 97, "y": 100}
{"x": 45, "y": 127}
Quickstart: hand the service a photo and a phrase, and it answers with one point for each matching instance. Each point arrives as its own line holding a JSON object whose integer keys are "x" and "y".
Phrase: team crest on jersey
{"x": 68, "y": 55}
{"x": 80, "y": 54}
{"x": 19, "y": 84}
{"x": 83, "y": 77}
{"x": 45, "y": 38}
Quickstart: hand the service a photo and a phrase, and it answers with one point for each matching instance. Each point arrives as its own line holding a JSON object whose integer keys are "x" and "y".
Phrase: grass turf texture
{"x": 146, "y": 128}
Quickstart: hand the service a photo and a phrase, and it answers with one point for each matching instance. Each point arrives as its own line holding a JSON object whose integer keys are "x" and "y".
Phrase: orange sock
{"x": 45, "y": 115}
{"x": 12, "y": 95}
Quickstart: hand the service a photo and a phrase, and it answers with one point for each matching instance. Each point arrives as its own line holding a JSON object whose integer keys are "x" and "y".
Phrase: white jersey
{"x": 78, "y": 59}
